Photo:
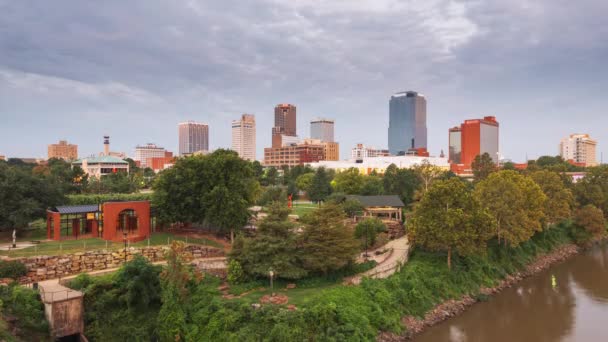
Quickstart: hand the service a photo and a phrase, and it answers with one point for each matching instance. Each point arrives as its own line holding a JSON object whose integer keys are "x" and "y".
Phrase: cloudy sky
{"x": 78, "y": 70}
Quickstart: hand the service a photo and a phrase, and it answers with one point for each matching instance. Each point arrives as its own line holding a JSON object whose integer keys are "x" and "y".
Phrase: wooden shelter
{"x": 383, "y": 207}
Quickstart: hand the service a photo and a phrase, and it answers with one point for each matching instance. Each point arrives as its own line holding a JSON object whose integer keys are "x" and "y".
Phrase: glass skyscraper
{"x": 407, "y": 122}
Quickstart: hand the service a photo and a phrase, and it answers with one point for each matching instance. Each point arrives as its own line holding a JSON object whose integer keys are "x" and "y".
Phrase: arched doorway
{"x": 128, "y": 222}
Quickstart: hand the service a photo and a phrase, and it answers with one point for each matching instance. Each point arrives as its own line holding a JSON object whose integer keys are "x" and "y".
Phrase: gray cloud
{"x": 149, "y": 64}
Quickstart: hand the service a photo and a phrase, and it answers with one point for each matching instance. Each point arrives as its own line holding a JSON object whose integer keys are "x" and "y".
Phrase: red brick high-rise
{"x": 473, "y": 137}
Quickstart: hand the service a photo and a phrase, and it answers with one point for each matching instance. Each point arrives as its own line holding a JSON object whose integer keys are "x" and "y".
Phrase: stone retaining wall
{"x": 49, "y": 267}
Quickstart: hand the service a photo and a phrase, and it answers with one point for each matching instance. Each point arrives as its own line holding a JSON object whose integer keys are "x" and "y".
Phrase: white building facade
{"x": 322, "y": 129}
{"x": 379, "y": 164}
{"x": 142, "y": 153}
{"x": 579, "y": 148}
{"x": 243, "y": 137}
{"x": 362, "y": 151}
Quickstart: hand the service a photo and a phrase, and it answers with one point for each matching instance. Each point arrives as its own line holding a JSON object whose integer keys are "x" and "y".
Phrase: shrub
{"x": 235, "y": 272}
{"x": 12, "y": 269}
{"x": 370, "y": 227}
{"x": 82, "y": 281}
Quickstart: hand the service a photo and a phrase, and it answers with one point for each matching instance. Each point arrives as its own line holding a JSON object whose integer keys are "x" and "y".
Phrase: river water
{"x": 568, "y": 302}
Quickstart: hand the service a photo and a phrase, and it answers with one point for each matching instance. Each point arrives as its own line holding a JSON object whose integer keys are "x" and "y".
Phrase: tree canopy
{"x": 560, "y": 199}
{"x": 516, "y": 202}
{"x": 217, "y": 188}
{"x": 449, "y": 218}
{"x": 320, "y": 186}
{"x": 483, "y": 165}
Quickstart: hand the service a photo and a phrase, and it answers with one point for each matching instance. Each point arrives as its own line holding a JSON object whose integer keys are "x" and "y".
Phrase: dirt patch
{"x": 451, "y": 308}
{"x": 276, "y": 299}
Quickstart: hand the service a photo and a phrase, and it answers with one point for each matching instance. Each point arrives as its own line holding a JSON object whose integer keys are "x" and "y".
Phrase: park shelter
{"x": 112, "y": 221}
{"x": 383, "y": 207}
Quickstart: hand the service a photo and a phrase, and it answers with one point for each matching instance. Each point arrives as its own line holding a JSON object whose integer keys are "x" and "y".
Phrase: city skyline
{"x": 78, "y": 67}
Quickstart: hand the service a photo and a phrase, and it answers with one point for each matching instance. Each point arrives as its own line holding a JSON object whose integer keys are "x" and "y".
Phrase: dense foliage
{"x": 217, "y": 189}
{"x": 12, "y": 269}
{"x": 449, "y": 218}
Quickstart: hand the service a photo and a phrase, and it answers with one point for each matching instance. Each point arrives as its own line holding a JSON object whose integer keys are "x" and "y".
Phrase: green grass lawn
{"x": 303, "y": 208}
{"x": 73, "y": 246}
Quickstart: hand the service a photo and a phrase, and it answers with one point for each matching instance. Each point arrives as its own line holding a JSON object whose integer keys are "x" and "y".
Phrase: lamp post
{"x": 124, "y": 237}
{"x": 366, "y": 234}
{"x": 271, "y": 274}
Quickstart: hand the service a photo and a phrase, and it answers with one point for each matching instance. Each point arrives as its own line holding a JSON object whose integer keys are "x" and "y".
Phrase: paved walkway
{"x": 396, "y": 255}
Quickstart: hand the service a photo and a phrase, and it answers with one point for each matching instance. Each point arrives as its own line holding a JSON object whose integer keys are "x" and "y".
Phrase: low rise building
{"x": 63, "y": 150}
{"x": 379, "y": 164}
{"x": 308, "y": 151}
{"x": 145, "y": 152}
{"x": 362, "y": 151}
{"x": 101, "y": 166}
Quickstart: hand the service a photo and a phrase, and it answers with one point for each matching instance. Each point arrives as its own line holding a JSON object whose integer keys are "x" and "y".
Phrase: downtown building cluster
{"x": 406, "y": 140}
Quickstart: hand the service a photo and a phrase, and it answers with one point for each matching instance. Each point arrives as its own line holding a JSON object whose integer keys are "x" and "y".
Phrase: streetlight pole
{"x": 271, "y": 274}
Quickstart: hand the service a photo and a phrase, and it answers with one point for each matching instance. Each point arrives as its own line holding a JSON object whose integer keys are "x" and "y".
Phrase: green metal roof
{"x": 102, "y": 159}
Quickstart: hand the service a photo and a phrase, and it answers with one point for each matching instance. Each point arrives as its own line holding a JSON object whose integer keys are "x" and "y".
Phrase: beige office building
{"x": 243, "y": 136}
{"x": 193, "y": 137}
{"x": 63, "y": 150}
{"x": 579, "y": 148}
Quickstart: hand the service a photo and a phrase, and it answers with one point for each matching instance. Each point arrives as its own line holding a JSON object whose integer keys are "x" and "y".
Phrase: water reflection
{"x": 569, "y": 302}
{"x": 590, "y": 272}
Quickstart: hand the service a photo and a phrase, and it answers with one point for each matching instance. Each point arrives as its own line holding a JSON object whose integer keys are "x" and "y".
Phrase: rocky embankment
{"x": 451, "y": 308}
{"x": 44, "y": 267}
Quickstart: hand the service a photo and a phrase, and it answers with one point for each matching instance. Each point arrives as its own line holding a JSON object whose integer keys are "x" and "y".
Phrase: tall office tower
{"x": 285, "y": 119}
{"x": 579, "y": 148}
{"x": 243, "y": 136}
{"x": 144, "y": 152}
{"x": 322, "y": 129}
{"x": 193, "y": 137}
{"x": 63, "y": 150}
{"x": 473, "y": 138}
{"x": 407, "y": 122}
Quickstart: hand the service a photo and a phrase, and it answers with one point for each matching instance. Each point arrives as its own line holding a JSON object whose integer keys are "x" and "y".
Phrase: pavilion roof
{"x": 76, "y": 209}
{"x": 379, "y": 201}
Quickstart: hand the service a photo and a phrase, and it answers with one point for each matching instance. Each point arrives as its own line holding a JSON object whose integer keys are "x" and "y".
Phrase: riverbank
{"x": 452, "y": 307}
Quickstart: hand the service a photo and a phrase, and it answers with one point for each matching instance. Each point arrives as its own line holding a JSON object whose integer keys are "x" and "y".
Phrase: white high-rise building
{"x": 193, "y": 137}
{"x": 142, "y": 153}
{"x": 579, "y": 148}
{"x": 243, "y": 136}
{"x": 322, "y": 129}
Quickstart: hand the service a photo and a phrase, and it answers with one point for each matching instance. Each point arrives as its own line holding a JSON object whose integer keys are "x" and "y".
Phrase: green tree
{"x": 217, "y": 188}
{"x": 25, "y": 197}
{"x": 171, "y": 324}
{"x": 304, "y": 181}
{"x": 560, "y": 199}
{"x": 325, "y": 242}
{"x": 449, "y": 218}
{"x": 139, "y": 282}
{"x": 593, "y": 188}
{"x": 273, "y": 193}
{"x": 368, "y": 229}
{"x": 352, "y": 207}
{"x": 591, "y": 220}
{"x": 483, "y": 166}
{"x": 427, "y": 173}
{"x": 349, "y": 181}
{"x": 372, "y": 185}
{"x": 516, "y": 202}
{"x": 273, "y": 247}
{"x": 320, "y": 187}
{"x": 401, "y": 182}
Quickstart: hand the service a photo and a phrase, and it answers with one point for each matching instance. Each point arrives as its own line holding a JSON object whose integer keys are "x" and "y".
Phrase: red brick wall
{"x": 111, "y": 210}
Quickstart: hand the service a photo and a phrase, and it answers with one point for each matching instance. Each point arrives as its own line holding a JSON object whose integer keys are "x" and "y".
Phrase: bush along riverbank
{"x": 339, "y": 313}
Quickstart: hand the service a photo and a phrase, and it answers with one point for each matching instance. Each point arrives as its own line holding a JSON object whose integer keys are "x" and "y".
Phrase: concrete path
{"x": 396, "y": 255}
